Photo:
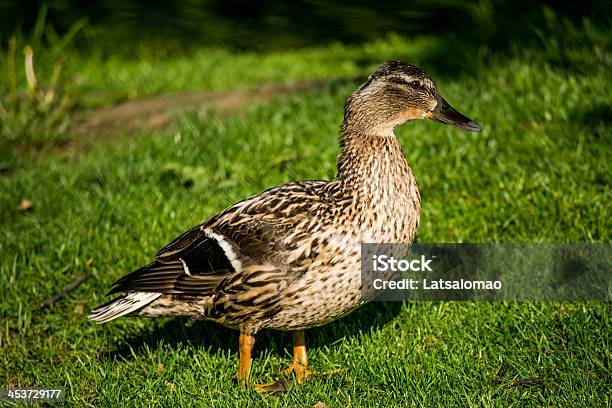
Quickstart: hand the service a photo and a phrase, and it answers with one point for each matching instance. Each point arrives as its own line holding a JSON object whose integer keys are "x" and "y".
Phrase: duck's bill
{"x": 445, "y": 113}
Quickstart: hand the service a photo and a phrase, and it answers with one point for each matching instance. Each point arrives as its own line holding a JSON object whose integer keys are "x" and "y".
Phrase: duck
{"x": 289, "y": 258}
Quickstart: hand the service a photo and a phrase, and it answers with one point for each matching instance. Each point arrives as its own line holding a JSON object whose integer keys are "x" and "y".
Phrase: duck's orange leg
{"x": 246, "y": 343}
{"x": 299, "y": 367}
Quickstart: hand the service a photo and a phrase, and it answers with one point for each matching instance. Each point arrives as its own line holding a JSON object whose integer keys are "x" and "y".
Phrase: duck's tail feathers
{"x": 123, "y": 305}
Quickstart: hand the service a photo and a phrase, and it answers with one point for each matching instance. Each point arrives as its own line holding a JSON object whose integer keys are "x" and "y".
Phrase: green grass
{"x": 539, "y": 172}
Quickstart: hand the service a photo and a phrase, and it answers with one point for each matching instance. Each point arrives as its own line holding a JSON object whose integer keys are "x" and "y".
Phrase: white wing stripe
{"x": 227, "y": 246}
{"x": 185, "y": 267}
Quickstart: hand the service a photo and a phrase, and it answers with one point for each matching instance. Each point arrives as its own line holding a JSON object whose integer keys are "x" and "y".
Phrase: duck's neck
{"x": 373, "y": 165}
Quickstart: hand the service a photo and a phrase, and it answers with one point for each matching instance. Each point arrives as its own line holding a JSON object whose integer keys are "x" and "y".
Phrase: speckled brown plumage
{"x": 289, "y": 258}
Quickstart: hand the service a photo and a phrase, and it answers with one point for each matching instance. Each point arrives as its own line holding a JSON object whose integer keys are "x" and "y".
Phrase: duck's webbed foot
{"x": 300, "y": 372}
{"x": 275, "y": 387}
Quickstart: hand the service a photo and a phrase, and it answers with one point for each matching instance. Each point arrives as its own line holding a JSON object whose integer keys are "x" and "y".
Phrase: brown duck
{"x": 289, "y": 258}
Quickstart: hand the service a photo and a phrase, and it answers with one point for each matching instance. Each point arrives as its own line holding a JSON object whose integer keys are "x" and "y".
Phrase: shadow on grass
{"x": 214, "y": 337}
{"x": 593, "y": 115}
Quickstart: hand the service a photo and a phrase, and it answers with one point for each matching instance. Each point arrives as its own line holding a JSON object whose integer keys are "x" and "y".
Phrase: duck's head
{"x": 398, "y": 92}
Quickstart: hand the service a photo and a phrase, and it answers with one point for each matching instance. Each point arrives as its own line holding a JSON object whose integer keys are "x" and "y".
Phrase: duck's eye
{"x": 396, "y": 80}
{"x": 414, "y": 83}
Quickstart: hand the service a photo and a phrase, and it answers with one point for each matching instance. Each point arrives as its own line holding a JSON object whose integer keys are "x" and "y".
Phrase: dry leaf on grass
{"x": 24, "y": 205}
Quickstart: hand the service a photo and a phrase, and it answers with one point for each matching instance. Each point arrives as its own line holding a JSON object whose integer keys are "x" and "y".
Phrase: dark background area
{"x": 270, "y": 24}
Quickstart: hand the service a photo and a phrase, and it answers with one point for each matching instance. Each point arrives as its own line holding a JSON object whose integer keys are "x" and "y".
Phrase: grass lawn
{"x": 539, "y": 172}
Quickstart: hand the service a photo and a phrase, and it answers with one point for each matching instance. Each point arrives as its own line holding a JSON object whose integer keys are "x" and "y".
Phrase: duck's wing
{"x": 245, "y": 253}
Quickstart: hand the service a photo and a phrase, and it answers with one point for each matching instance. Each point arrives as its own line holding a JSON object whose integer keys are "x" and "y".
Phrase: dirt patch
{"x": 157, "y": 112}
